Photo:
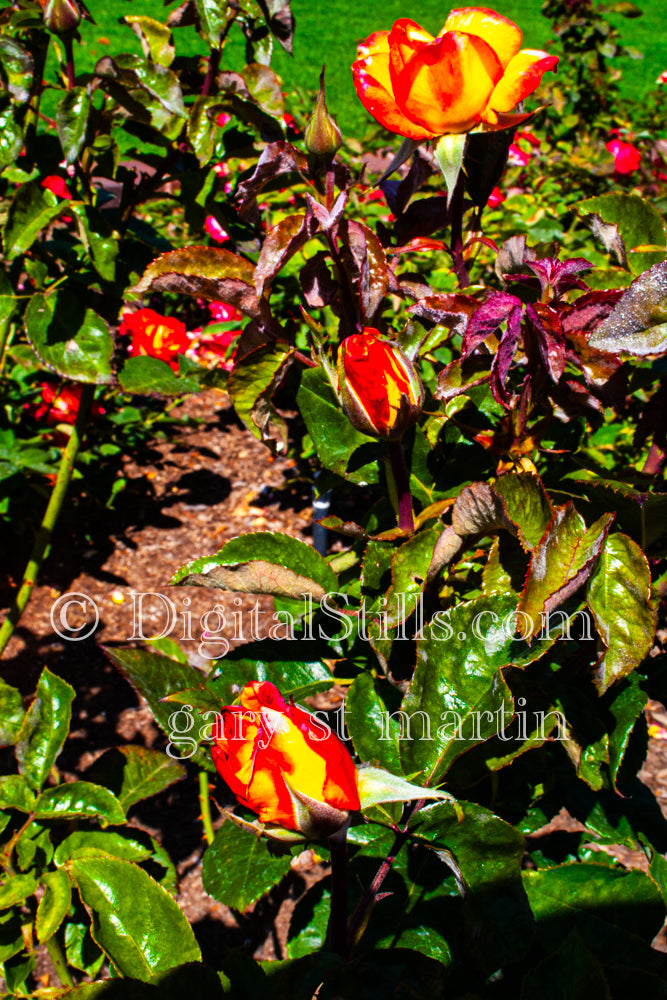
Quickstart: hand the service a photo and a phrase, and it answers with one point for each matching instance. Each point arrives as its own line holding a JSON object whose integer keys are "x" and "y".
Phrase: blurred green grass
{"x": 327, "y": 34}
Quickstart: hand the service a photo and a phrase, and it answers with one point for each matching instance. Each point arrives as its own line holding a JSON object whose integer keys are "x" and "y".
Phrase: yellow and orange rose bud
{"x": 284, "y": 765}
{"x": 380, "y": 390}
{"x": 322, "y": 136}
{"x": 470, "y": 76}
{"x": 61, "y": 16}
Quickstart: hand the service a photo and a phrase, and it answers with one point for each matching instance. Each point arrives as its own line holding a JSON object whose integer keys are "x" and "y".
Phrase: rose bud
{"x": 283, "y": 764}
{"x": 61, "y": 16}
{"x": 322, "y": 136}
{"x": 381, "y": 392}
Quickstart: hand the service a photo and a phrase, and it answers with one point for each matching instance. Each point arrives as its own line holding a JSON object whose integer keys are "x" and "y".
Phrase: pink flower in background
{"x": 223, "y": 119}
{"x": 222, "y": 312}
{"x": 521, "y": 150}
{"x": 626, "y": 156}
{"x": 215, "y": 230}
{"x": 495, "y": 198}
{"x": 662, "y": 78}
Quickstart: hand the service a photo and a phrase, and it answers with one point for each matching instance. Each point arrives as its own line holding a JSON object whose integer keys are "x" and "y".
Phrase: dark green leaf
{"x": 31, "y": 211}
{"x": 409, "y": 573}
{"x": 81, "y": 951}
{"x": 11, "y": 143}
{"x": 527, "y": 505}
{"x": 571, "y": 971}
{"x": 11, "y": 714}
{"x": 373, "y": 728}
{"x": 135, "y": 921}
{"x": 619, "y": 597}
{"x": 239, "y": 867}
{"x": 560, "y": 564}
{"x": 18, "y": 65}
{"x": 212, "y": 17}
{"x": 96, "y": 235}
{"x": 84, "y": 843}
{"x": 203, "y": 129}
{"x": 486, "y": 853}
{"x": 457, "y": 696}
{"x": 339, "y": 446}
{"x": 147, "y": 376}
{"x": 134, "y": 773}
{"x": 71, "y": 121}
{"x": 74, "y": 341}
{"x": 265, "y": 86}
{"x": 15, "y": 793}
{"x": 263, "y": 562}
{"x": 251, "y": 385}
{"x": 44, "y": 728}
{"x": 157, "y": 81}
{"x": 53, "y": 905}
{"x": 80, "y": 798}
{"x": 638, "y": 222}
{"x": 276, "y": 662}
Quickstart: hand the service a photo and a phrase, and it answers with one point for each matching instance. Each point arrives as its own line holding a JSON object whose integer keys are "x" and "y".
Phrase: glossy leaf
{"x": 340, "y": 447}
{"x": 209, "y": 272}
{"x": 134, "y": 920}
{"x": 53, "y": 905}
{"x": 262, "y": 563}
{"x": 71, "y": 121}
{"x": 486, "y": 853}
{"x": 17, "y": 888}
{"x": 618, "y": 595}
{"x": 145, "y": 376}
{"x": 97, "y": 237}
{"x": 638, "y": 323}
{"x": 31, "y": 210}
{"x": 639, "y": 223}
{"x": 11, "y": 713}
{"x": 202, "y": 128}
{"x": 560, "y": 564}
{"x": 156, "y": 40}
{"x": 457, "y": 696}
{"x": 572, "y": 970}
{"x": 18, "y": 66}
{"x": 11, "y": 139}
{"x": 44, "y": 728}
{"x": 282, "y": 241}
{"x": 251, "y": 385}
{"x": 527, "y": 505}
{"x": 212, "y": 17}
{"x": 74, "y": 342}
{"x": 106, "y": 843}
{"x": 239, "y": 867}
{"x": 296, "y": 668}
{"x": 373, "y": 728}
{"x": 79, "y": 798}
{"x": 134, "y": 773}
{"x": 15, "y": 793}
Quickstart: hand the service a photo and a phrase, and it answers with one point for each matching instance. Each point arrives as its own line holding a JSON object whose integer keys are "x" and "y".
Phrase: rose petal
{"x": 446, "y": 86}
{"x": 501, "y": 34}
{"x": 521, "y": 77}
{"x": 369, "y": 77}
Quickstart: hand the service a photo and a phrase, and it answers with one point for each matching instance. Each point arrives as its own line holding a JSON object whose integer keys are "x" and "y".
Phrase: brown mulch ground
{"x": 184, "y": 498}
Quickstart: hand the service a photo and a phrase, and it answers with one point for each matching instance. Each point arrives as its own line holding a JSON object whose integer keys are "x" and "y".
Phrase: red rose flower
{"x": 154, "y": 335}
{"x": 282, "y": 764}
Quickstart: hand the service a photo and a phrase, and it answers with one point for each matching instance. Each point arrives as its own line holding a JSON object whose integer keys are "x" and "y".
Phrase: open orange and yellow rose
{"x": 471, "y": 75}
{"x": 284, "y": 765}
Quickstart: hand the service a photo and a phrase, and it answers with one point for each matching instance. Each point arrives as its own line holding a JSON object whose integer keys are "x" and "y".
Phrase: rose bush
{"x": 472, "y": 74}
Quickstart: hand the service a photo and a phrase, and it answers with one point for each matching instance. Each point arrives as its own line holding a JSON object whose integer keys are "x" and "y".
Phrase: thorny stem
{"x": 6, "y": 336}
{"x": 337, "y": 930}
{"x": 44, "y": 535}
{"x": 59, "y": 962}
{"x": 205, "y": 807}
{"x": 460, "y": 268}
{"x": 399, "y": 474}
{"x": 359, "y": 918}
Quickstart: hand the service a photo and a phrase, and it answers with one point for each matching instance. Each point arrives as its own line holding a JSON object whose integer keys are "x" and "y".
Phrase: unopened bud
{"x": 322, "y": 137}
{"x": 381, "y": 391}
{"x": 61, "y": 16}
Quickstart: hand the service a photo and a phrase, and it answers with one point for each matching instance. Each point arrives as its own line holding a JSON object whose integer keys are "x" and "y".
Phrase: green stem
{"x": 401, "y": 483}
{"x": 6, "y": 336}
{"x": 337, "y": 930}
{"x": 45, "y": 533}
{"x": 59, "y": 962}
{"x": 205, "y": 807}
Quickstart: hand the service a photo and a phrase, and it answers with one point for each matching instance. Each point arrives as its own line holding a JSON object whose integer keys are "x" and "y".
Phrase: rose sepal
{"x": 376, "y": 785}
{"x": 268, "y": 829}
